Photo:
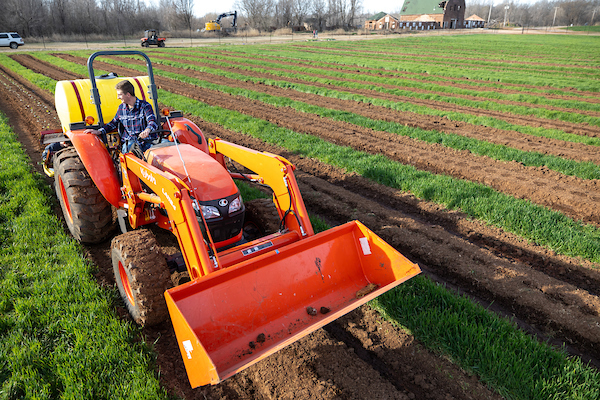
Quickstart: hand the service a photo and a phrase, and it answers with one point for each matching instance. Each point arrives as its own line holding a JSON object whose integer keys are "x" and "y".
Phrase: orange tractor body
{"x": 245, "y": 299}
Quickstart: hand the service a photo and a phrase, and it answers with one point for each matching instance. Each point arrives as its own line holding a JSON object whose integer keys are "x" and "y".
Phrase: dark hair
{"x": 125, "y": 87}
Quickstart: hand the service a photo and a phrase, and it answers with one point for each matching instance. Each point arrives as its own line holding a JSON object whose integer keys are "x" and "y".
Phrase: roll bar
{"x": 94, "y": 90}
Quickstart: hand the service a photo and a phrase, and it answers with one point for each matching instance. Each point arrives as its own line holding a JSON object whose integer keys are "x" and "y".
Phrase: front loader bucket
{"x": 231, "y": 319}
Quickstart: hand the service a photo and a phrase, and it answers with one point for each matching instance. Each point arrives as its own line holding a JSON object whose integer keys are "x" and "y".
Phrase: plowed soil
{"x": 360, "y": 355}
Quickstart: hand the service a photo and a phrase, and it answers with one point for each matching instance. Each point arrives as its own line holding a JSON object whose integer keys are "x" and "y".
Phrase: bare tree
{"x": 284, "y": 11}
{"x": 301, "y": 8}
{"x": 319, "y": 12}
{"x": 258, "y": 12}
{"x": 185, "y": 11}
{"x": 28, "y": 16}
{"x": 574, "y": 11}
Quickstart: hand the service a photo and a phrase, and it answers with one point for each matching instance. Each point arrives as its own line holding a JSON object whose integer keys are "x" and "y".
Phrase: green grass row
{"x": 584, "y": 170}
{"x": 303, "y": 72}
{"x": 59, "y": 335}
{"x": 458, "y": 62}
{"x": 551, "y": 49}
{"x": 516, "y": 365}
{"x": 39, "y": 80}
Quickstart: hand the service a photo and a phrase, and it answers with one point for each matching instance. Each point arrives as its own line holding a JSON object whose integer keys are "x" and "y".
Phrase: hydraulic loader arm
{"x": 274, "y": 171}
{"x": 172, "y": 195}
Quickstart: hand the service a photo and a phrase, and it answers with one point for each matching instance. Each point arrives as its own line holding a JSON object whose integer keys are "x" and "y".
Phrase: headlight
{"x": 209, "y": 212}
{"x": 235, "y": 205}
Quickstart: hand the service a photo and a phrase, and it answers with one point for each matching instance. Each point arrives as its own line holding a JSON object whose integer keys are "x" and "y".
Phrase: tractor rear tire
{"x": 142, "y": 276}
{"x": 87, "y": 213}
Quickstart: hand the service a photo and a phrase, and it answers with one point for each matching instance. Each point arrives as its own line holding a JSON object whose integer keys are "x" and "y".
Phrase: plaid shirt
{"x": 134, "y": 120}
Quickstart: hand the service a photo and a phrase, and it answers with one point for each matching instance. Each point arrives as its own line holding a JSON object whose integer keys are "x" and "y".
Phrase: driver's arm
{"x": 151, "y": 124}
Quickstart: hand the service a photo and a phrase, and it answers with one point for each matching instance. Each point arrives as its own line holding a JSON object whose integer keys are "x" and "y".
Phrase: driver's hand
{"x": 144, "y": 134}
{"x": 92, "y": 131}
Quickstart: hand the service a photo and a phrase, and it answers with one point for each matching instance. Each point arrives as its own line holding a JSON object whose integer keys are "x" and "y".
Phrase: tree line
{"x": 541, "y": 13}
{"x": 126, "y": 18}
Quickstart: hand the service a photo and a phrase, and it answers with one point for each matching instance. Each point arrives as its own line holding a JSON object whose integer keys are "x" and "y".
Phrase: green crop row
{"x": 35, "y": 78}
{"x": 561, "y": 50}
{"x": 59, "y": 335}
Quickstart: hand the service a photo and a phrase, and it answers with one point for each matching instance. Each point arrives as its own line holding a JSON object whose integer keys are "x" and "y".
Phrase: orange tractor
{"x": 152, "y": 38}
{"x": 245, "y": 298}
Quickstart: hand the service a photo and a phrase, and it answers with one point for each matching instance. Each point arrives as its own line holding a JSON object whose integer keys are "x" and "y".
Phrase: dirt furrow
{"x": 569, "y": 195}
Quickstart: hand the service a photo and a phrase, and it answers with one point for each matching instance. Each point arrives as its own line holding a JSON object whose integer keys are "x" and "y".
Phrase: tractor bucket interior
{"x": 230, "y": 319}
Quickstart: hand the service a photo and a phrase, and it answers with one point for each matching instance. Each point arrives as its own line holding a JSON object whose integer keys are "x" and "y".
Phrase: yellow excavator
{"x": 216, "y": 26}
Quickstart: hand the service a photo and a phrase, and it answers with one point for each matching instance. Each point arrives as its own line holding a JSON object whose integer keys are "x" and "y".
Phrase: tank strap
{"x": 141, "y": 89}
{"x": 79, "y": 100}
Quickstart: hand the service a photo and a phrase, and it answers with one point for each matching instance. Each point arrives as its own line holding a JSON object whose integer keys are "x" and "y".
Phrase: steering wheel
{"x": 162, "y": 134}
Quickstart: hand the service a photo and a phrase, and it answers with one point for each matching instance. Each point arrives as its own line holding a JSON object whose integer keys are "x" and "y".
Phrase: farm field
{"x": 475, "y": 156}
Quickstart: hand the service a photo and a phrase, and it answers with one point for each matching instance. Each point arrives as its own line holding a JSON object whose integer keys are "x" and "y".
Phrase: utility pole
{"x": 592, "y": 20}
{"x": 555, "y": 10}
{"x": 505, "y": 14}
{"x": 490, "y": 13}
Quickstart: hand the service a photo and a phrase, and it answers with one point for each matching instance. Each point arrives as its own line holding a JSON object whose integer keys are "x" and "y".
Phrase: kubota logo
{"x": 170, "y": 200}
{"x": 148, "y": 175}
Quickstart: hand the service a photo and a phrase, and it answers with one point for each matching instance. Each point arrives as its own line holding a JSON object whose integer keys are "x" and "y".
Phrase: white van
{"x": 11, "y": 39}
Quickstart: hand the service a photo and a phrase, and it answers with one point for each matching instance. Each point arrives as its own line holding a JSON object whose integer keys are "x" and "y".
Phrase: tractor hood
{"x": 209, "y": 180}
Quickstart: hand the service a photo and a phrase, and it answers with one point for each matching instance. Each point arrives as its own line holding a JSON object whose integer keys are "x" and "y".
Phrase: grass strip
{"x": 516, "y": 365}
{"x": 583, "y": 170}
{"x": 533, "y": 222}
{"x": 59, "y": 336}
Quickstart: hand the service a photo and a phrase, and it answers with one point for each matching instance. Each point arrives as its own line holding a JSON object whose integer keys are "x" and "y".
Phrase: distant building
{"x": 381, "y": 21}
{"x": 474, "y": 21}
{"x": 448, "y": 14}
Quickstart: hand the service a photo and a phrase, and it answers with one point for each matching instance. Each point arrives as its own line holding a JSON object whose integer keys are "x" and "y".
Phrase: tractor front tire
{"x": 142, "y": 276}
{"x": 87, "y": 213}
